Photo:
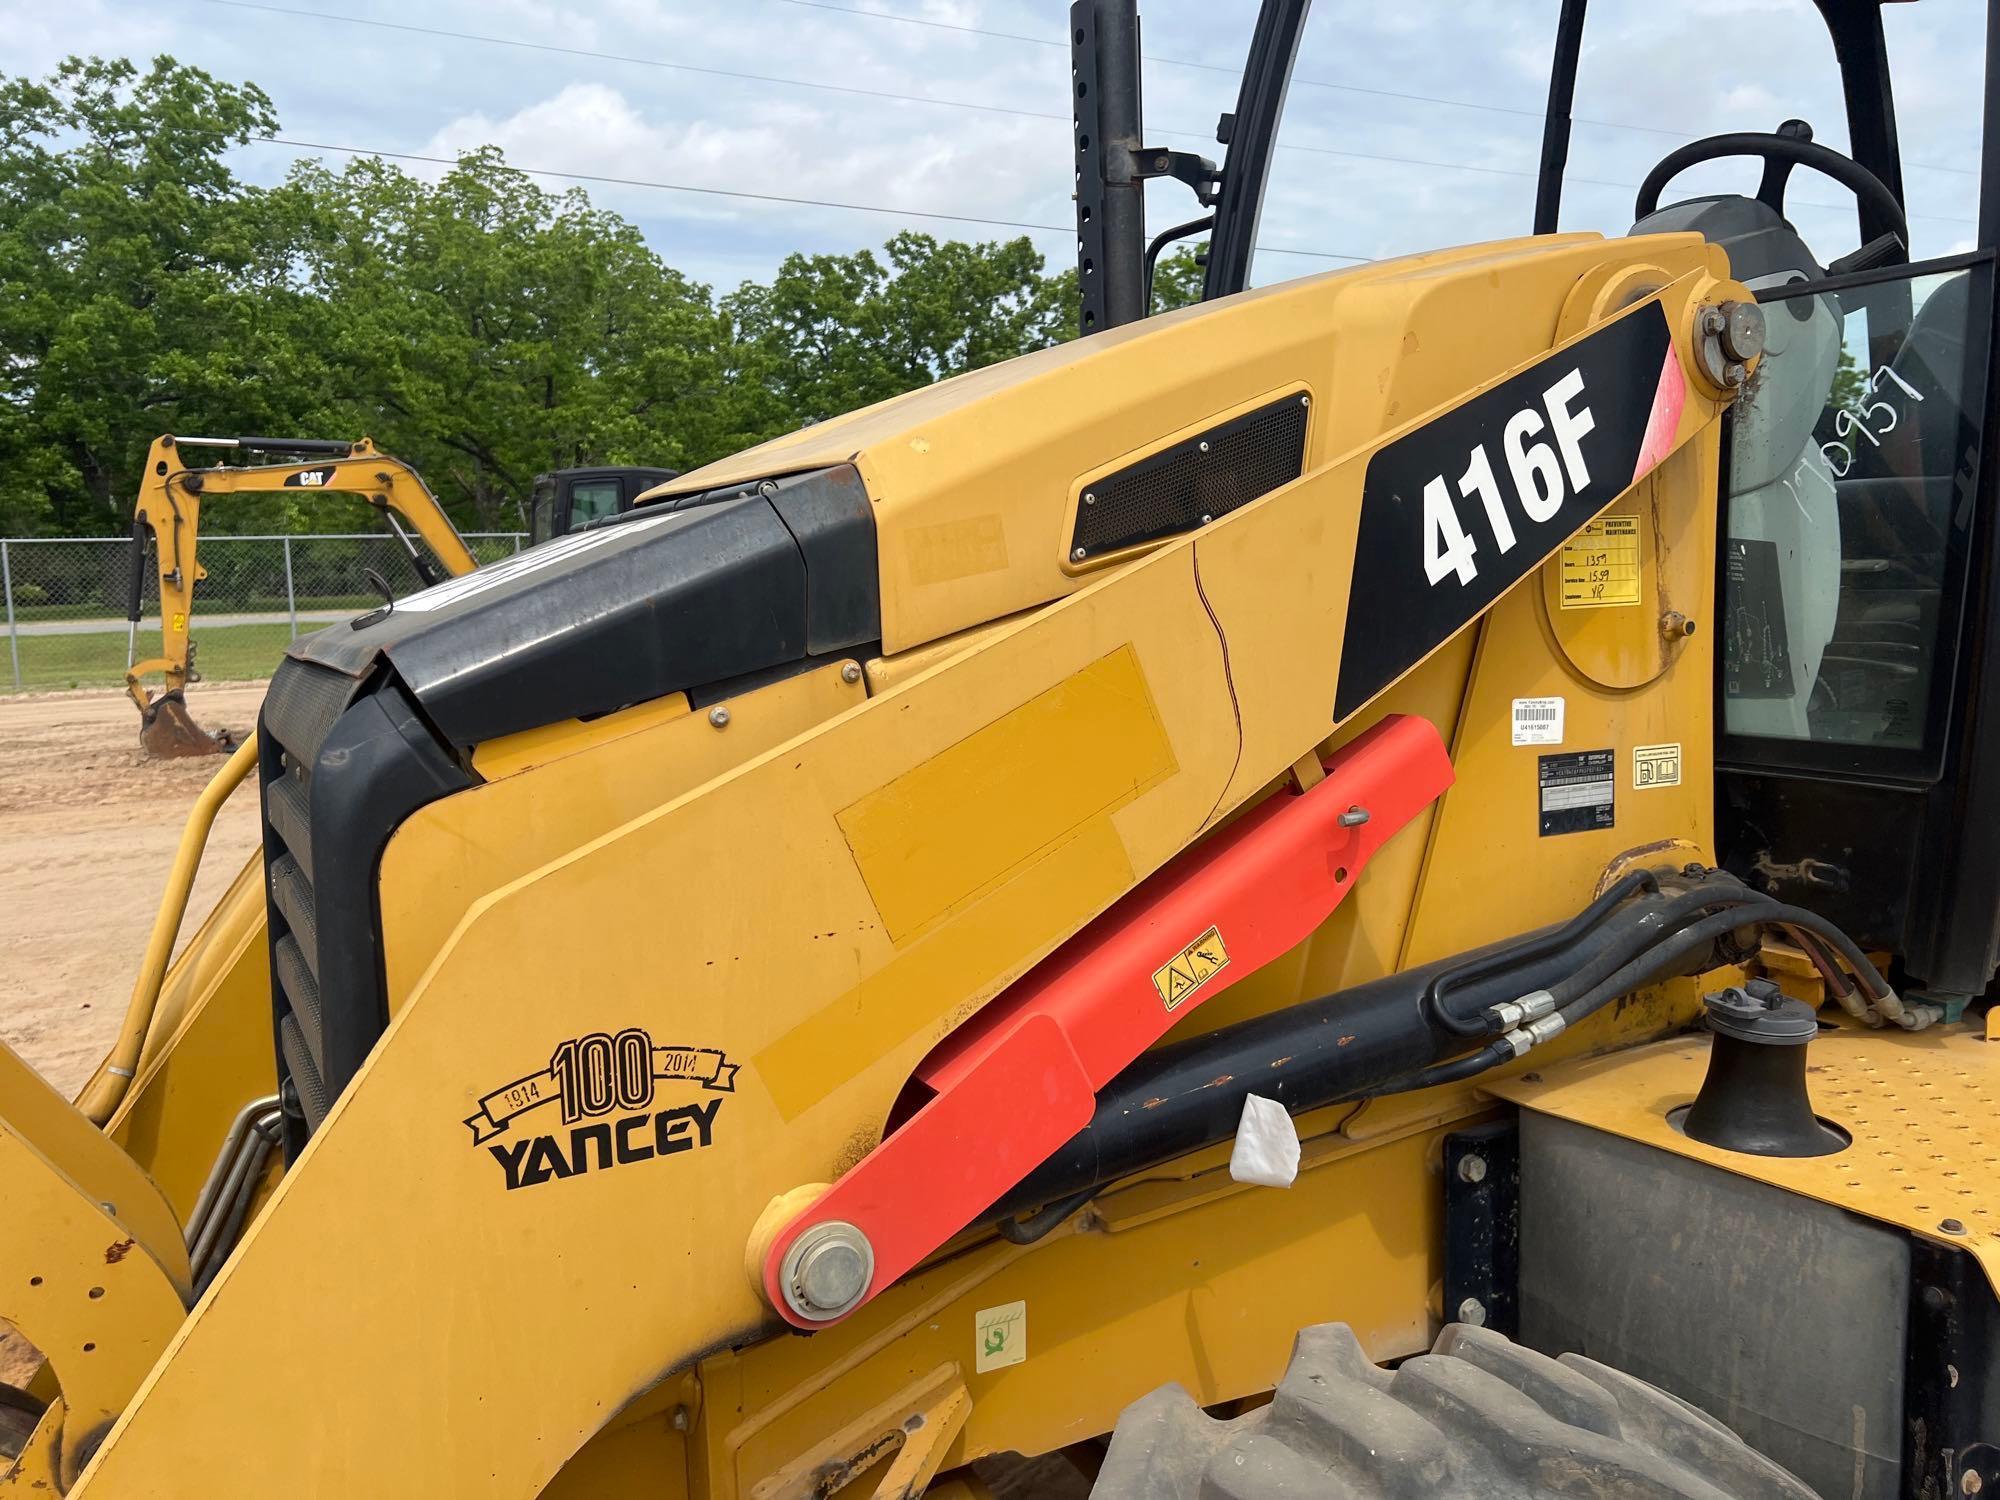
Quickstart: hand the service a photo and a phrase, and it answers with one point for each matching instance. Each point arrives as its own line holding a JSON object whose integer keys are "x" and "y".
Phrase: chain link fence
{"x": 64, "y": 600}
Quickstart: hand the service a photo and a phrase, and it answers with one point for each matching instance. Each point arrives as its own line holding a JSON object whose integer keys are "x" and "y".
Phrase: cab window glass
{"x": 1852, "y": 457}
{"x": 592, "y": 500}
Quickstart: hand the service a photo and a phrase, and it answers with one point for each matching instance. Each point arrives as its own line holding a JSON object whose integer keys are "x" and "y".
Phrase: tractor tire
{"x": 1479, "y": 1416}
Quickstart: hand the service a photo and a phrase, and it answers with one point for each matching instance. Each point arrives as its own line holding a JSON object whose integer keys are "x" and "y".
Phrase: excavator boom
{"x": 168, "y": 518}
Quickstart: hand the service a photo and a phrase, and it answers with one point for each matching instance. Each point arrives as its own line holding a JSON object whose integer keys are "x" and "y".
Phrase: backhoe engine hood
{"x": 699, "y": 589}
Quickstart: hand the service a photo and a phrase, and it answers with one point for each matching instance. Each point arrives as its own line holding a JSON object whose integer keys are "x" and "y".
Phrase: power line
{"x": 713, "y": 192}
{"x": 883, "y": 15}
{"x": 1318, "y": 83}
{"x": 782, "y": 82}
{"x": 672, "y": 187}
{"x": 622, "y": 57}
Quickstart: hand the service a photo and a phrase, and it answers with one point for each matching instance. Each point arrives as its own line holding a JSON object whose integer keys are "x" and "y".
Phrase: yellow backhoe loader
{"x": 166, "y": 523}
{"x": 1384, "y": 885}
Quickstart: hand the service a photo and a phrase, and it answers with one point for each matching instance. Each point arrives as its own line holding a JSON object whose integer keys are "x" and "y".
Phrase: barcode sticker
{"x": 1538, "y": 721}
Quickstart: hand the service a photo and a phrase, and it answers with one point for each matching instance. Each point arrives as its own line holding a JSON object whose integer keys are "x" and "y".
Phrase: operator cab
{"x": 570, "y": 499}
{"x": 1853, "y": 523}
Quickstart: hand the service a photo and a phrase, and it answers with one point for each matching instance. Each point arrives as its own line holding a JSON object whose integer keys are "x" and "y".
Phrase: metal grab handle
{"x": 108, "y": 1085}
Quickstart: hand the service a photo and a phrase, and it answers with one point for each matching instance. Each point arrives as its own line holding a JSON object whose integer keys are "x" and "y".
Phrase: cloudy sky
{"x": 788, "y": 98}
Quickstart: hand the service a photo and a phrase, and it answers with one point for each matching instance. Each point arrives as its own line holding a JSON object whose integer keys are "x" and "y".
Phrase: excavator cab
{"x": 570, "y": 499}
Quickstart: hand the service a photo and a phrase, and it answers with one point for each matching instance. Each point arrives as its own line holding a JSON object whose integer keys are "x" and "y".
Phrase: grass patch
{"x": 226, "y": 653}
{"x": 252, "y": 604}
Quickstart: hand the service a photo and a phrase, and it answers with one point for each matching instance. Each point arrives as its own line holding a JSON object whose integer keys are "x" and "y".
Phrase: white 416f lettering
{"x": 1538, "y": 483}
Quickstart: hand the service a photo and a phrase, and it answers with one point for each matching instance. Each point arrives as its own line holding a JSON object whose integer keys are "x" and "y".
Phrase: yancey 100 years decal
{"x": 605, "y": 1085}
{"x": 1457, "y": 512}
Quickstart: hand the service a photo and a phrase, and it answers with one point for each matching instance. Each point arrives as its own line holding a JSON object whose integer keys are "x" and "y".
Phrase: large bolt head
{"x": 827, "y": 1271}
{"x": 1742, "y": 331}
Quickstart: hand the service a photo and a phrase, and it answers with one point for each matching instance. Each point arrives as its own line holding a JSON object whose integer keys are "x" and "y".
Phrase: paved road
{"x": 201, "y": 622}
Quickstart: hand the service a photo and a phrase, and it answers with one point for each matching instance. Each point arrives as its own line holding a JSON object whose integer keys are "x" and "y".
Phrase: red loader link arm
{"x": 1021, "y": 1077}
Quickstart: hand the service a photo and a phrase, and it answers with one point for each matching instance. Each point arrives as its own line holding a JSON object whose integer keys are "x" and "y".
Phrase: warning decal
{"x": 1600, "y": 564}
{"x": 1190, "y": 969}
{"x": 1756, "y": 651}
{"x": 1576, "y": 791}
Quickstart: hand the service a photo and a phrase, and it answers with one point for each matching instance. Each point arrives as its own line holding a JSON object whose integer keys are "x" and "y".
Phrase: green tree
{"x": 487, "y": 329}
{"x": 1177, "y": 279}
{"x": 482, "y": 327}
{"x": 147, "y": 289}
{"x": 835, "y": 332}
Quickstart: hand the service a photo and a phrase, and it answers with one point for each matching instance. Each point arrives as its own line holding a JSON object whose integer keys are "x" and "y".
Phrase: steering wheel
{"x": 1792, "y": 146}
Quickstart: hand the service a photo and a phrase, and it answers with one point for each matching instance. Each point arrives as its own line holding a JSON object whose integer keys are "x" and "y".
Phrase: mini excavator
{"x": 166, "y": 523}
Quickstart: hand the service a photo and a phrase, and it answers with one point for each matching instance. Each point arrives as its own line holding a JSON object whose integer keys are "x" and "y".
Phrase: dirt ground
{"x": 88, "y": 828}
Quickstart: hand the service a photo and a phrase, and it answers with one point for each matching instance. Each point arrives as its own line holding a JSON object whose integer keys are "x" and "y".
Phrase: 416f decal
{"x": 1458, "y": 511}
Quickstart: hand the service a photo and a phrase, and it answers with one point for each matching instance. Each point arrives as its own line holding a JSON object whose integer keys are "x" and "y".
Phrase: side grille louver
{"x": 342, "y": 763}
{"x": 1197, "y": 480}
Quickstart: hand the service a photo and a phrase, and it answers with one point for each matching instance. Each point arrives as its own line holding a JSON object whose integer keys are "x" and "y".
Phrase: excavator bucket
{"x": 168, "y": 731}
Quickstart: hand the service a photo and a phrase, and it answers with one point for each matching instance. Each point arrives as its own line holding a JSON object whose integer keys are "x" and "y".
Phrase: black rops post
{"x": 1110, "y": 194}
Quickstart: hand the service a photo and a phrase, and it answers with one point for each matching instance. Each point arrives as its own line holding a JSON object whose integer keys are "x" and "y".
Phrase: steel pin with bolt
{"x": 827, "y": 1270}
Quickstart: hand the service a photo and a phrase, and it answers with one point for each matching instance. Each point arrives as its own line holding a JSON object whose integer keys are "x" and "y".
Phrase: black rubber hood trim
{"x": 665, "y": 600}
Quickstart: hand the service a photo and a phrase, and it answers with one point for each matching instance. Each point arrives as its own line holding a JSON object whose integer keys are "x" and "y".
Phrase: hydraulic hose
{"x": 1663, "y": 956}
{"x": 1381, "y": 1037}
{"x": 136, "y": 590}
{"x": 1038, "y": 1224}
{"x": 1666, "y": 950}
{"x": 1883, "y": 1000}
{"x": 1674, "y": 916}
{"x": 1649, "y": 927}
{"x": 1668, "y": 954}
{"x": 1514, "y": 955}
{"x": 108, "y": 1085}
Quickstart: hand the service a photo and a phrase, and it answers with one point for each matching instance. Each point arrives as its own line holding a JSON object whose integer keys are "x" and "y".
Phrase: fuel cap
{"x": 1754, "y": 1098}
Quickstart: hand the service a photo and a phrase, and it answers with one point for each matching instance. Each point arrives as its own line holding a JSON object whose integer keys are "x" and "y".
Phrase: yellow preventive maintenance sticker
{"x": 1600, "y": 564}
{"x": 1191, "y": 968}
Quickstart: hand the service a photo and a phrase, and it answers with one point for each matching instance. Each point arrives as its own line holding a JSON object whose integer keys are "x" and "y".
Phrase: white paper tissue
{"x": 1267, "y": 1144}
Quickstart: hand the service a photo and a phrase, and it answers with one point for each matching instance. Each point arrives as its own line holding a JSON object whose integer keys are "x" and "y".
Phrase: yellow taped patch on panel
{"x": 1600, "y": 564}
{"x": 956, "y": 549}
{"x": 971, "y": 816}
{"x": 843, "y": 1036}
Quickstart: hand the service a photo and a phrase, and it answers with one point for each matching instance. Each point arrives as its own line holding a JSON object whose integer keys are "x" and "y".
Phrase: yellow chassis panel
{"x": 1920, "y": 1106}
{"x": 444, "y": 1333}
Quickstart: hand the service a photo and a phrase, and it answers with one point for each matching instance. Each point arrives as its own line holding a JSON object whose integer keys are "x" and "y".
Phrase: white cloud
{"x": 1646, "y": 64}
